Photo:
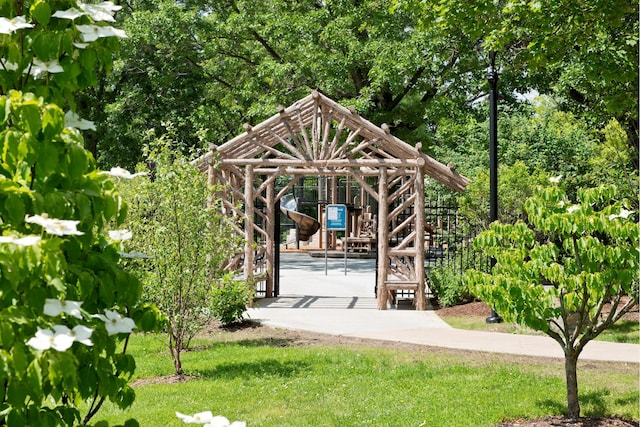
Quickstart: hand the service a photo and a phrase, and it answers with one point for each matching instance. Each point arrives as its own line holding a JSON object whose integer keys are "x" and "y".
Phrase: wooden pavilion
{"x": 317, "y": 136}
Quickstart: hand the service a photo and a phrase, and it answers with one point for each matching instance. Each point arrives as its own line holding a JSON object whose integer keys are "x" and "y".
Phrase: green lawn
{"x": 624, "y": 331}
{"x": 268, "y": 380}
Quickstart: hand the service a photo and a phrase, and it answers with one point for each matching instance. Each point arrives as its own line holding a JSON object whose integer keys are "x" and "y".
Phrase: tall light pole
{"x": 492, "y": 77}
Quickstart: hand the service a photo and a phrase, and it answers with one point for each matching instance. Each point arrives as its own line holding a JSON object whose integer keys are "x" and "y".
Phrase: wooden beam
{"x": 248, "y": 224}
{"x": 364, "y": 185}
{"x": 420, "y": 296}
{"x": 383, "y": 240}
{"x": 330, "y": 163}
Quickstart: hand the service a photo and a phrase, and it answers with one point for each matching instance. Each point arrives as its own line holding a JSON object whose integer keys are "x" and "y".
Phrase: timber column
{"x": 248, "y": 224}
{"x": 383, "y": 239}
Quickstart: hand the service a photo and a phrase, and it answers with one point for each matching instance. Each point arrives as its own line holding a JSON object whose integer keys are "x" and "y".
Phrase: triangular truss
{"x": 319, "y": 137}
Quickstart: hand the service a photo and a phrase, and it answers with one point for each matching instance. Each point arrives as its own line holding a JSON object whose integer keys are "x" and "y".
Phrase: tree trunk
{"x": 175, "y": 348}
{"x": 570, "y": 367}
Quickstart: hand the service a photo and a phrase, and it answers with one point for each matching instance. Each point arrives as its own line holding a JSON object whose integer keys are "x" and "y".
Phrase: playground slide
{"x": 307, "y": 226}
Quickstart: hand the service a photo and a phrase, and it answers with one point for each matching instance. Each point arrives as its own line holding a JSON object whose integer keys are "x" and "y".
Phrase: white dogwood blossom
{"x": 116, "y": 323}
{"x": 89, "y": 33}
{"x": 9, "y": 26}
{"x": 623, "y": 214}
{"x": 555, "y": 179}
{"x": 208, "y": 420}
{"x": 100, "y": 12}
{"x": 58, "y": 227}
{"x": 21, "y": 241}
{"x": 119, "y": 172}
{"x": 120, "y": 235}
{"x": 199, "y": 418}
{"x": 8, "y": 65}
{"x": 54, "y": 307}
{"x": 46, "y": 339}
{"x": 220, "y": 421}
{"x": 39, "y": 67}
{"x": 70, "y": 14}
{"x": 72, "y": 120}
{"x": 79, "y": 333}
{"x": 573, "y": 208}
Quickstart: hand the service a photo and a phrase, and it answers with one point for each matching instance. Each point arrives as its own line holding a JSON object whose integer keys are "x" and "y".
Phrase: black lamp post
{"x": 492, "y": 77}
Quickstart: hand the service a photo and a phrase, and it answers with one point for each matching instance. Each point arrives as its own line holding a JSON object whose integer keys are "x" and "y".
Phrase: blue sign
{"x": 336, "y": 217}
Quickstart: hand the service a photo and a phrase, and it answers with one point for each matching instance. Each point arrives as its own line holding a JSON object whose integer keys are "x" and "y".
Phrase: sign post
{"x": 336, "y": 219}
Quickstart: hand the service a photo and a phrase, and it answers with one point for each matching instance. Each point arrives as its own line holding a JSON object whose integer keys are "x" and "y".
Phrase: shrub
{"x": 230, "y": 299}
{"x": 447, "y": 285}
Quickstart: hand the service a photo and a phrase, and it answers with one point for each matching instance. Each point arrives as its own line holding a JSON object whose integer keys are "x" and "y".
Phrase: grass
{"x": 623, "y": 331}
{"x": 272, "y": 381}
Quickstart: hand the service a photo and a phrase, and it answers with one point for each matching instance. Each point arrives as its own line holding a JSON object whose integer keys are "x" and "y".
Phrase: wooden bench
{"x": 361, "y": 244}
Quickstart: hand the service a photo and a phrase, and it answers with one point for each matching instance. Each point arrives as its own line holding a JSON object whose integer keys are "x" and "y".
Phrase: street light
{"x": 492, "y": 77}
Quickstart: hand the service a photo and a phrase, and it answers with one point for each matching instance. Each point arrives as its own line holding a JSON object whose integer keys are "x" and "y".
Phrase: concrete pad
{"x": 326, "y": 300}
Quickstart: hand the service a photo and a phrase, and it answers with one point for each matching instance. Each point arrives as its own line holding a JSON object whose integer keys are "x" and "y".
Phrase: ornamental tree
{"x": 67, "y": 307}
{"x": 187, "y": 243}
{"x": 569, "y": 270}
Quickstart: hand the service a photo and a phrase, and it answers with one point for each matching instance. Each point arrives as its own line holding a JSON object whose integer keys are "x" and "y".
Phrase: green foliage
{"x": 445, "y": 281}
{"x": 66, "y": 304}
{"x": 51, "y": 57}
{"x": 230, "y": 299}
{"x": 515, "y": 184}
{"x": 556, "y": 272}
{"x": 188, "y": 243}
{"x": 45, "y": 171}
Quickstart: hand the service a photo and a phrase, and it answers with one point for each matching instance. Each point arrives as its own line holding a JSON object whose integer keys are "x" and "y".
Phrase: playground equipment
{"x": 307, "y": 226}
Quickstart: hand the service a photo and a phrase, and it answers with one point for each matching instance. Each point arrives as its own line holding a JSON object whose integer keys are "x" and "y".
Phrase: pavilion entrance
{"x": 317, "y": 137}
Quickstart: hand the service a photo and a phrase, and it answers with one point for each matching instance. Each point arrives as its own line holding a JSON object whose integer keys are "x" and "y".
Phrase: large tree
{"x": 208, "y": 67}
{"x": 583, "y": 54}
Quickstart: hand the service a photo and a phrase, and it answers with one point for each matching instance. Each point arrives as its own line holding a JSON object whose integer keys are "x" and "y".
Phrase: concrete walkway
{"x": 344, "y": 304}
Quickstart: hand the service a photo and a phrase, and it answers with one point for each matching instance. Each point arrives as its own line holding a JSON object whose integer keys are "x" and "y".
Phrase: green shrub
{"x": 230, "y": 299}
{"x": 447, "y": 285}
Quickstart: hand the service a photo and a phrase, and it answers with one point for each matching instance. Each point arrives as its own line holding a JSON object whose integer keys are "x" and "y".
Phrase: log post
{"x": 383, "y": 239}
{"x": 272, "y": 240}
{"x": 248, "y": 224}
{"x": 420, "y": 296}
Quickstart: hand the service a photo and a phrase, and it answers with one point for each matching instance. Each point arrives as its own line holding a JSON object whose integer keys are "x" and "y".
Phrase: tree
{"x": 209, "y": 67}
{"x": 569, "y": 271}
{"x": 582, "y": 54}
{"x": 67, "y": 307}
{"x": 188, "y": 244}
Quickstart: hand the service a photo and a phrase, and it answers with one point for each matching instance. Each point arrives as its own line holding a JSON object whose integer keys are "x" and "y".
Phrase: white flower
{"x": 45, "y": 339}
{"x": 115, "y": 323}
{"x": 38, "y": 67}
{"x": 555, "y": 179}
{"x": 199, "y": 418}
{"x": 573, "y": 208}
{"x": 58, "y": 227}
{"x": 9, "y": 66}
{"x": 54, "y": 307}
{"x": 623, "y": 214}
{"x": 91, "y": 33}
{"x": 71, "y": 14}
{"x": 22, "y": 241}
{"x": 120, "y": 235}
{"x": 8, "y": 26}
{"x": 79, "y": 333}
{"x": 80, "y": 45}
{"x": 72, "y": 120}
{"x": 119, "y": 172}
{"x": 100, "y": 12}
{"x": 220, "y": 421}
